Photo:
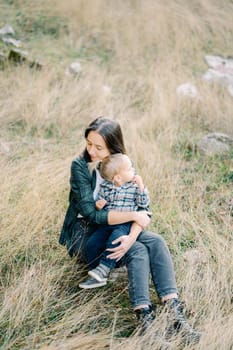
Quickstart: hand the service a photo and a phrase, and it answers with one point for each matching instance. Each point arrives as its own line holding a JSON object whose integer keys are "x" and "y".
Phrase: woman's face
{"x": 96, "y": 146}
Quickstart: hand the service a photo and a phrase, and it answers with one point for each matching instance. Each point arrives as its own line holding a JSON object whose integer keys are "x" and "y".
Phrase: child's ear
{"x": 117, "y": 179}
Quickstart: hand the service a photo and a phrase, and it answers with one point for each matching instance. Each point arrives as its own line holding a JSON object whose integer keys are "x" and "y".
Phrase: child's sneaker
{"x": 100, "y": 273}
{"x": 91, "y": 283}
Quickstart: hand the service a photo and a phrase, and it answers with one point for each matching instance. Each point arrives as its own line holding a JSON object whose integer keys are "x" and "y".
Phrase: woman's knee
{"x": 138, "y": 249}
{"x": 152, "y": 238}
{"x": 160, "y": 243}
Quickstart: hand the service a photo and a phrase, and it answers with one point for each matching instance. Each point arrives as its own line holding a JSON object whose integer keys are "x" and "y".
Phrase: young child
{"x": 121, "y": 190}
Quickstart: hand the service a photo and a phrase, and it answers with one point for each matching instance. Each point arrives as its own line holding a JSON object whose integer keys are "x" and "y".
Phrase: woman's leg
{"x": 161, "y": 265}
{"x": 76, "y": 244}
{"x": 149, "y": 254}
{"x": 138, "y": 266}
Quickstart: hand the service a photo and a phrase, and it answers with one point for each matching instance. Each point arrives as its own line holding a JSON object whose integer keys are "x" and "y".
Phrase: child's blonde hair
{"x": 112, "y": 164}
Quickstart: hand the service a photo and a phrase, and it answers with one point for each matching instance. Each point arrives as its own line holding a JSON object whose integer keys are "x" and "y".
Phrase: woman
{"x": 144, "y": 254}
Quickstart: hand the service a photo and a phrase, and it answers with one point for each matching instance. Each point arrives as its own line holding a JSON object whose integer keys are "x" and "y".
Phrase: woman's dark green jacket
{"x": 82, "y": 185}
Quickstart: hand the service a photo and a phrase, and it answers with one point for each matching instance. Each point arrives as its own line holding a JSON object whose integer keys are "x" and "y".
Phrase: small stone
{"x": 187, "y": 90}
{"x": 7, "y": 30}
{"x": 195, "y": 257}
{"x": 107, "y": 90}
{"x": 11, "y": 41}
{"x": 74, "y": 68}
{"x": 4, "y": 147}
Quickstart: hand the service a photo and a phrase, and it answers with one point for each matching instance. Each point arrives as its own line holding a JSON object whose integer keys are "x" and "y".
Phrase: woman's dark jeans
{"x": 76, "y": 244}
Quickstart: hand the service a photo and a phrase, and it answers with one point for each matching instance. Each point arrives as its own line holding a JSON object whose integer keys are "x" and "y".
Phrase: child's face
{"x": 126, "y": 172}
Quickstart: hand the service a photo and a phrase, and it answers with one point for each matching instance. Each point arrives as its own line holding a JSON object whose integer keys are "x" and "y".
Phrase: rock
{"x": 14, "y": 54}
{"x": 187, "y": 90}
{"x": 215, "y": 144}
{"x": 11, "y": 41}
{"x": 195, "y": 257}
{"x": 220, "y": 63}
{"x": 75, "y": 68}
{"x": 213, "y": 75}
{"x": 118, "y": 273}
{"x": 4, "y": 148}
{"x": 220, "y": 71}
{"x": 107, "y": 90}
{"x": 18, "y": 56}
{"x": 7, "y": 30}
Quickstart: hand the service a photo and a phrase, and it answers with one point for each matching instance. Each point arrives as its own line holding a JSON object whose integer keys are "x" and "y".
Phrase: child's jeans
{"x": 100, "y": 240}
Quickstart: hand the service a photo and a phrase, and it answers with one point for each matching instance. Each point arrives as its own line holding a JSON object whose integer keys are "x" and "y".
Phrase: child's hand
{"x": 138, "y": 180}
{"x": 100, "y": 203}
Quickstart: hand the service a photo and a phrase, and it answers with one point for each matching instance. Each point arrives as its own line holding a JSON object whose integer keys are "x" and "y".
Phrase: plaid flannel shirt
{"x": 127, "y": 197}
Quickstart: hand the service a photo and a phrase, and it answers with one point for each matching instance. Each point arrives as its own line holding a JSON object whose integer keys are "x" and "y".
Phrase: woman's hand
{"x": 125, "y": 244}
{"x": 142, "y": 218}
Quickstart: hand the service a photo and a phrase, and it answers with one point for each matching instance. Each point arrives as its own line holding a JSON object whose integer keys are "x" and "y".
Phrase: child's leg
{"x": 101, "y": 272}
{"x": 120, "y": 230}
{"x": 96, "y": 244}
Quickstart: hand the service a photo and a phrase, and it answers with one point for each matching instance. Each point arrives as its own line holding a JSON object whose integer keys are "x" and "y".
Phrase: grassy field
{"x": 133, "y": 54}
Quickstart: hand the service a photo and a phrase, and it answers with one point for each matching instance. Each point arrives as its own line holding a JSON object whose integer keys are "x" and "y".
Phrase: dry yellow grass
{"x": 142, "y": 50}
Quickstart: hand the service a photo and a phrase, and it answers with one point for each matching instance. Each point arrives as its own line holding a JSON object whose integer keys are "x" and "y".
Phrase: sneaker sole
{"x": 93, "y": 285}
{"x": 96, "y": 277}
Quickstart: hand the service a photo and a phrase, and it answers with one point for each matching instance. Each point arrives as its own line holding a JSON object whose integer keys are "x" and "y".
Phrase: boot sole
{"x": 93, "y": 285}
